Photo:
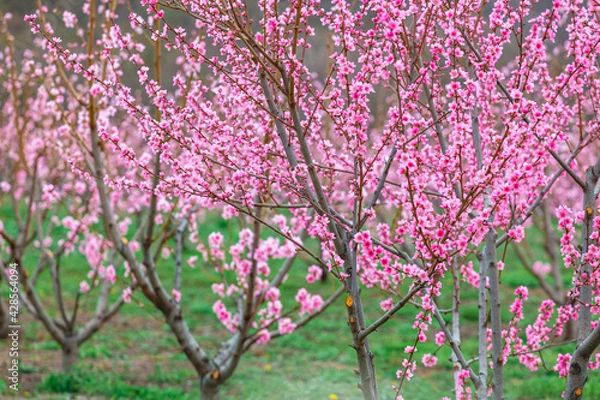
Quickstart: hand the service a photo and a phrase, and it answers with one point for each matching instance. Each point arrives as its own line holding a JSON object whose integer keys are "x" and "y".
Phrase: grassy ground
{"x": 136, "y": 357}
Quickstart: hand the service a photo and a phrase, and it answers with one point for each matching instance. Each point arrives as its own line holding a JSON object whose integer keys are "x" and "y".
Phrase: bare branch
{"x": 390, "y": 313}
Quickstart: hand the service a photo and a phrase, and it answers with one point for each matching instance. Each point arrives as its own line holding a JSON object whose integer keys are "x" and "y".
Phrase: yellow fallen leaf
{"x": 268, "y": 367}
{"x": 333, "y": 396}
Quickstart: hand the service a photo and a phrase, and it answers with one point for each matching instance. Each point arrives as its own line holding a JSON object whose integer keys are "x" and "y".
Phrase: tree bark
{"x": 585, "y": 291}
{"x": 456, "y": 321}
{"x": 569, "y": 331}
{"x": 496, "y": 322}
{"x": 70, "y": 353}
{"x": 356, "y": 322}
{"x": 578, "y": 370}
{"x": 366, "y": 368}
{"x": 210, "y": 389}
{"x": 588, "y": 339}
{"x": 482, "y": 327}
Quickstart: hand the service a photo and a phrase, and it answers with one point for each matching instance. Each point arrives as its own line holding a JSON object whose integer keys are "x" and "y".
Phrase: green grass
{"x": 137, "y": 357}
{"x": 105, "y": 384}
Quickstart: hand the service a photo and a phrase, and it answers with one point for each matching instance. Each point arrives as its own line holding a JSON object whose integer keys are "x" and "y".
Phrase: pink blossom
{"x": 110, "y": 274}
{"x": 429, "y": 360}
{"x": 192, "y": 261}
{"x": 517, "y": 233}
{"x": 440, "y": 338}
{"x": 84, "y": 287}
{"x": 386, "y": 304}
{"x": 127, "y": 295}
{"x": 309, "y": 304}
{"x": 263, "y": 336}
{"x": 286, "y": 326}
{"x": 314, "y": 273}
{"x": 176, "y": 295}
{"x": 215, "y": 240}
{"x": 562, "y": 364}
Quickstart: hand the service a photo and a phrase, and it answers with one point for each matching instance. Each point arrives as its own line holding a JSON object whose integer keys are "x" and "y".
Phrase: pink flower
{"x": 308, "y": 303}
{"x": 110, "y": 274}
{"x": 224, "y": 316}
{"x": 429, "y": 360}
{"x": 440, "y": 338}
{"x": 286, "y": 326}
{"x": 215, "y": 240}
{"x": 517, "y": 233}
{"x": 127, "y": 295}
{"x": 410, "y": 349}
{"x": 387, "y": 304}
{"x": 541, "y": 268}
{"x": 219, "y": 289}
{"x": 439, "y": 234}
{"x": 84, "y": 287}
{"x": 229, "y": 212}
{"x": 263, "y": 336}
{"x": 272, "y": 294}
{"x": 192, "y": 260}
{"x": 70, "y": 19}
{"x": 562, "y": 364}
{"x": 176, "y": 295}
{"x": 314, "y": 273}
{"x": 522, "y": 292}
{"x": 595, "y": 363}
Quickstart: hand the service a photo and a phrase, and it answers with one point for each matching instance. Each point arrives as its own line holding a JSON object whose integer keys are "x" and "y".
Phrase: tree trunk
{"x": 456, "y": 322}
{"x": 578, "y": 369}
{"x": 482, "y": 329}
{"x": 587, "y": 339}
{"x": 577, "y": 377}
{"x": 356, "y": 322}
{"x": 209, "y": 388}
{"x": 569, "y": 331}
{"x": 70, "y": 353}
